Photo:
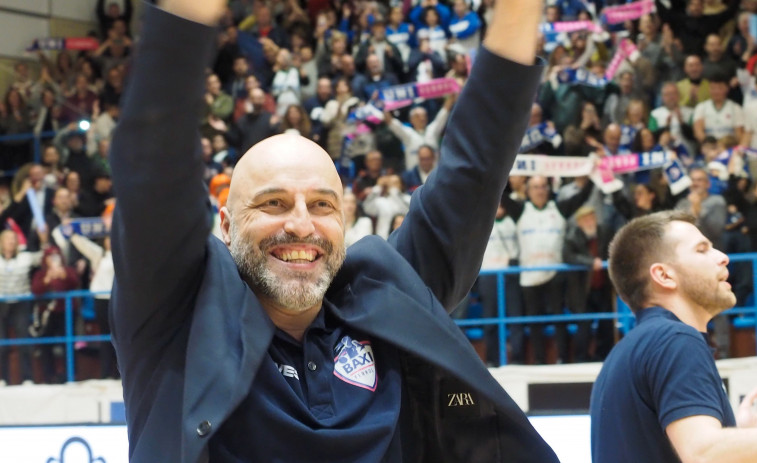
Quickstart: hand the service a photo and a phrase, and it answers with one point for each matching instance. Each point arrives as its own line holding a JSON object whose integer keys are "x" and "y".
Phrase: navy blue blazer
{"x": 190, "y": 334}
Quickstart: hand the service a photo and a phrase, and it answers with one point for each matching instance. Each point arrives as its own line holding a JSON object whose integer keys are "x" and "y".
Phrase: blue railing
{"x": 623, "y": 314}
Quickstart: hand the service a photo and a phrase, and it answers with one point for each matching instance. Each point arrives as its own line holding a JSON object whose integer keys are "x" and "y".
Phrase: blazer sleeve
{"x": 162, "y": 221}
{"x": 445, "y": 233}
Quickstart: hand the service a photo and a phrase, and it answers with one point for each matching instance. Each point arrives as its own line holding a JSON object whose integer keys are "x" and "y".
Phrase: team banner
{"x": 628, "y": 12}
{"x": 398, "y": 96}
{"x": 64, "y": 43}
{"x": 90, "y": 227}
{"x": 626, "y": 50}
{"x": 538, "y": 134}
{"x": 580, "y": 76}
{"x": 603, "y": 171}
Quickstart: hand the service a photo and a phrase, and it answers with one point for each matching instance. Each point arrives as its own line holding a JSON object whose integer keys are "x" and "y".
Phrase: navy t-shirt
{"x": 661, "y": 372}
{"x": 335, "y": 397}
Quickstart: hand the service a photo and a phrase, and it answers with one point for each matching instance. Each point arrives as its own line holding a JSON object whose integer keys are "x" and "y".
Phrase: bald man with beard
{"x": 275, "y": 343}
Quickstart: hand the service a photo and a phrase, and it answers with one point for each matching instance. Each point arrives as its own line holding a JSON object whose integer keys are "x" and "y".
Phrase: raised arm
{"x": 446, "y": 231}
{"x": 162, "y": 221}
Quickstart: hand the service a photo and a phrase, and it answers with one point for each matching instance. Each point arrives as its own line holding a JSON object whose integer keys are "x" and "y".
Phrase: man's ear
{"x": 663, "y": 276}
{"x": 225, "y": 225}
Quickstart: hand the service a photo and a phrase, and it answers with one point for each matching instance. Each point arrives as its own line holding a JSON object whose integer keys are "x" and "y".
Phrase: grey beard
{"x": 294, "y": 290}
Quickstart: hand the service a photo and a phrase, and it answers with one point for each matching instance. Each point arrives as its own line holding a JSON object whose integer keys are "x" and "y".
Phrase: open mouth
{"x": 296, "y": 256}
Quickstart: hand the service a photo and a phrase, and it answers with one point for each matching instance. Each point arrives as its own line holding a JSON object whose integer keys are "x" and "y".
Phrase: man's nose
{"x": 299, "y": 222}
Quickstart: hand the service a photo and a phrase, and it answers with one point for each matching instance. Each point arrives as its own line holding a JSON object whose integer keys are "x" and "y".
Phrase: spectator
{"x": 433, "y": 30}
{"x": 356, "y": 225}
{"x": 425, "y": 63}
{"x": 717, "y": 61}
{"x": 587, "y": 243}
{"x": 540, "y": 223}
{"x": 718, "y": 116}
{"x": 218, "y": 104}
{"x": 673, "y": 116}
{"x": 113, "y": 88}
{"x": 252, "y": 127}
{"x": 51, "y": 163}
{"x": 366, "y": 86}
{"x": 286, "y": 82}
{"x": 385, "y": 200}
{"x": 297, "y": 121}
{"x": 246, "y": 105}
{"x": 387, "y": 54}
{"x": 314, "y": 107}
{"x": 15, "y": 119}
{"x": 415, "y": 177}
{"x": 645, "y": 201}
{"x": 80, "y": 104}
{"x": 329, "y": 58}
{"x": 107, "y": 17}
{"x": 49, "y": 114}
{"x": 236, "y": 86}
{"x": 617, "y": 104}
{"x": 693, "y": 88}
{"x": 399, "y": 33}
{"x": 367, "y": 178}
{"x": 20, "y": 211}
{"x": 334, "y": 116}
{"x": 101, "y": 262}
{"x": 16, "y": 315}
{"x": 53, "y": 276}
{"x": 465, "y": 26}
{"x": 102, "y": 125}
{"x": 94, "y": 201}
{"x": 420, "y": 132}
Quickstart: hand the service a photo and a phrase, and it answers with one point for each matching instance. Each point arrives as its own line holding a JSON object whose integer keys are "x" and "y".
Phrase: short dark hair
{"x": 636, "y": 246}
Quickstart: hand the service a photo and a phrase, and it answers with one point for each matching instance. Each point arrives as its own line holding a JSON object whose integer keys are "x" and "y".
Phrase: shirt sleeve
{"x": 683, "y": 380}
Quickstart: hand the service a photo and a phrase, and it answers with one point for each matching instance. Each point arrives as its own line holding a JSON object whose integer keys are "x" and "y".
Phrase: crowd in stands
{"x": 319, "y": 68}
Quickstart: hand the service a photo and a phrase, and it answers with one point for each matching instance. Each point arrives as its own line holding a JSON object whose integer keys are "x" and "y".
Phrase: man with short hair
{"x": 671, "y": 114}
{"x": 415, "y": 177}
{"x": 420, "y": 132}
{"x": 276, "y": 343}
{"x": 541, "y": 223}
{"x": 718, "y": 116}
{"x": 693, "y": 88}
{"x": 717, "y": 62}
{"x": 659, "y": 397}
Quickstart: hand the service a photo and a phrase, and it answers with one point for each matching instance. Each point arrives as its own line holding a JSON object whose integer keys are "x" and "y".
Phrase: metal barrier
{"x": 37, "y": 146}
{"x": 623, "y": 314}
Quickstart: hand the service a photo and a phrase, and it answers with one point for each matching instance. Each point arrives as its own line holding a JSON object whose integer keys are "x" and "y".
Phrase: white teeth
{"x": 298, "y": 255}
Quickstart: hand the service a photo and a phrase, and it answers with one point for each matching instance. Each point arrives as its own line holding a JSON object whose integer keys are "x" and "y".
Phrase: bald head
{"x": 289, "y": 156}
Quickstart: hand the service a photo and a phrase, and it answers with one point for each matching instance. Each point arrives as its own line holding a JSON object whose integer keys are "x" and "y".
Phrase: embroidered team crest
{"x": 354, "y": 363}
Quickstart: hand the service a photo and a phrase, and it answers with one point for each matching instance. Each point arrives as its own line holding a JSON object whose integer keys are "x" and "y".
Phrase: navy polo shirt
{"x": 662, "y": 371}
{"x": 335, "y": 397}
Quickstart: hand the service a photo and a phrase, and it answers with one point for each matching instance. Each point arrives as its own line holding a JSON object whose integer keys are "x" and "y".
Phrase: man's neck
{"x": 292, "y": 322}
{"x": 687, "y": 312}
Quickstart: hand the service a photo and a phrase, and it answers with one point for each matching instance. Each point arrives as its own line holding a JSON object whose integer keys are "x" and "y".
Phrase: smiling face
{"x": 284, "y": 223}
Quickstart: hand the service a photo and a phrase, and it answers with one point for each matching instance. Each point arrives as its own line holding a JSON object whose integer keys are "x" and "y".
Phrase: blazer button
{"x": 203, "y": 429}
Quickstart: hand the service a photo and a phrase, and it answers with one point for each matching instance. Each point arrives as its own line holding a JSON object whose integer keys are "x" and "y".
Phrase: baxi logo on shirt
{"x": 354, "y": 363}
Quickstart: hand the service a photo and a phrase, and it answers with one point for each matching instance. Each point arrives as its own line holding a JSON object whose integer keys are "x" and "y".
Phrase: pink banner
{"x": 628, "y": 12}
{"x": 630, "y": 50}
{"x": 81, "y": 43}
{"x": 612, "y": 68}
{"x": 572, "y": 26}
{"x": 397, "y": 96}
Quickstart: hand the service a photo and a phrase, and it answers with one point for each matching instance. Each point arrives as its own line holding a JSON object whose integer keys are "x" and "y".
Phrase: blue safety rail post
{"x": 69, "y": 339}
{"x": 37, "y": 145}
{"x": 625, "y": 317}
